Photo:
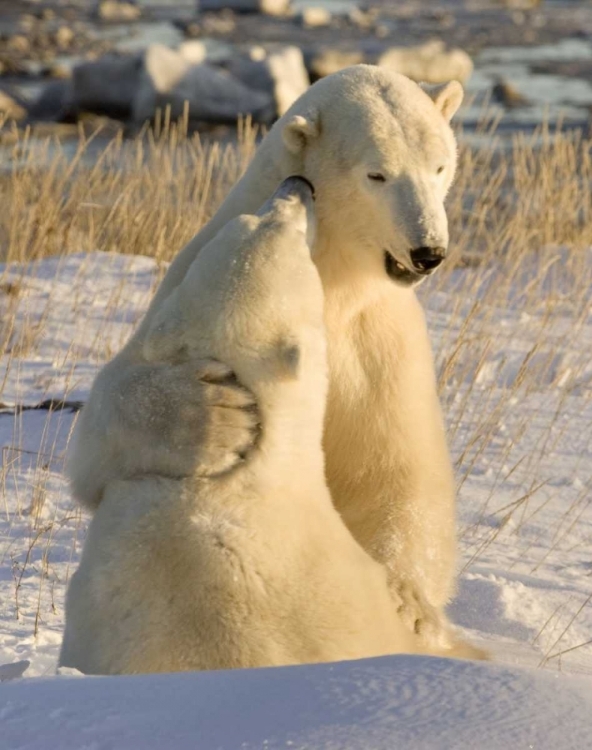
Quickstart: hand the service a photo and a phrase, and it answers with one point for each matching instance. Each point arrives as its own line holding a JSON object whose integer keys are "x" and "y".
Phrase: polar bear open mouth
{"x": 397, "y": 271}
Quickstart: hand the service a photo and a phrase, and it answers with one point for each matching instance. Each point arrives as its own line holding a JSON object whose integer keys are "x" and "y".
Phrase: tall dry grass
{"x": 510, "y": 362}
{"x": 146, "y": 196}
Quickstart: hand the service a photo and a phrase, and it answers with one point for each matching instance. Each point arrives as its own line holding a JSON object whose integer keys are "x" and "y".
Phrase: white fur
{"x": 387, "y": 462}
{"x": 253, "y": 567}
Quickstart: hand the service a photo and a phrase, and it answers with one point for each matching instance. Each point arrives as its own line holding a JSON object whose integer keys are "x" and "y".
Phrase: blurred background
{"x": 122, "y": 63}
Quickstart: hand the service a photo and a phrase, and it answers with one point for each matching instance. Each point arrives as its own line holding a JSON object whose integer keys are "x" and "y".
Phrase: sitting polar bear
{"x": 254, "y": 566}
{"x": 380, "y": 152}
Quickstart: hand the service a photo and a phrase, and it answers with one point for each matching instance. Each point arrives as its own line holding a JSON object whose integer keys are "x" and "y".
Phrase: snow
{"x": 374, "y": 704}
{"x": 517, "y": 394}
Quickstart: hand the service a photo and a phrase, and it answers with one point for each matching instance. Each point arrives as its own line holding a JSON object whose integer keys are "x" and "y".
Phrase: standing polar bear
{"x": 252, "y": 567}
{"x": 381, "y": 155}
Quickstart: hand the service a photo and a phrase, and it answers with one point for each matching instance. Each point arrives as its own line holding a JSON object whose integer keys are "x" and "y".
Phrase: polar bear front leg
{"x": 164, "y": 419}
{"x": 437, "y": 635}
{"x": 395, "y": 536}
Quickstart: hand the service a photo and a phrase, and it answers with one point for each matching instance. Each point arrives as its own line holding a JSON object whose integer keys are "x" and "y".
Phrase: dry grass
{"x": 146, "y": 196}
{"x": 521, "y": 220}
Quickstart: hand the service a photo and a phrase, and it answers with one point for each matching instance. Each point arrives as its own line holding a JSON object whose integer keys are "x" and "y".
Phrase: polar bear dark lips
{"x": 397, "y": 271}
{"x": 425, "y": 261}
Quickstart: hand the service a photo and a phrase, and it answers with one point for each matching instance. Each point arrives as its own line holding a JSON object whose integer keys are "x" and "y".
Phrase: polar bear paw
{"x": 229, "y": 423}
{"x": 421, "y": 617}
{"x": 436, "y": 634}
{"x": 192, "y": 418}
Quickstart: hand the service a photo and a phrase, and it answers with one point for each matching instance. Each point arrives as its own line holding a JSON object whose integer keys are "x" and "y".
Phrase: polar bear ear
{"x": 299, "y": 131}
{"x": 446, "y": 96}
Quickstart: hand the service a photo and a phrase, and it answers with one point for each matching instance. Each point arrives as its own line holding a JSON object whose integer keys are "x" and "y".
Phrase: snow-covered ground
{"x": 513, "y": 341}
{"x": 406, "y": 702}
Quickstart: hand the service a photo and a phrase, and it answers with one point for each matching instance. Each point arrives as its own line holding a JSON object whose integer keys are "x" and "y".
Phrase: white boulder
{"x": 430, "y": 62}
{"x": 170, "y": 80}
{"x": 117, "y": 11}
{"x": 280, "y": 73}
{"x": 314, "y": 17}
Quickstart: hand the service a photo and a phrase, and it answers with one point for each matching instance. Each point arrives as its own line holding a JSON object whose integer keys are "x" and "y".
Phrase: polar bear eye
{"x": 376, "y": 177}
{"x": 440, "y": 170}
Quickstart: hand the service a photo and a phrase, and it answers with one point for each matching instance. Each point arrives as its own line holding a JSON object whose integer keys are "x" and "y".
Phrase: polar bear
{"x": 381, "y": 154}
{"x": 254, "y": 566}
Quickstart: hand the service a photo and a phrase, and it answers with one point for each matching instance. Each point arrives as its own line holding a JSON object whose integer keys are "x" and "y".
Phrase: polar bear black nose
{"x": 427, "y": 259}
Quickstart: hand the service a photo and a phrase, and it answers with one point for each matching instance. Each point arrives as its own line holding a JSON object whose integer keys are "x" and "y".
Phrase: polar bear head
{"x": 252, "y": 298}
{"x": 381, "y": 154}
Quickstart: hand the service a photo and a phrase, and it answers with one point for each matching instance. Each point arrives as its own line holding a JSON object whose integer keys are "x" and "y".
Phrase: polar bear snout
{"x": 425, "y": 260}
{"x": 293, "y": 200}
{"x": 293, "y": 191}
{"x": 299, "y": 184}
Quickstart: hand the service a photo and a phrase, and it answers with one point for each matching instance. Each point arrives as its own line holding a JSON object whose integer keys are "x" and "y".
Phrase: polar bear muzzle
{"x": 294, "y": 193}
{"x": 301, "y": 179}
{"x": 425, "y": 260}
{"x": 293, "y": 186}
{"x": 397, "y": 271}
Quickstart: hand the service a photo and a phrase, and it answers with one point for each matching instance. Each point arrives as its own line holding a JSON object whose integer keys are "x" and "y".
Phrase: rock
{"x": 360, "y": 18}
{"x": 210, "y": 95}
{"x": 189, "y": 28}
{"x": 327, "y": 61}
{"x": 14, "y": 670}
{"x": 268, "y": 7}
{"x": 60, "y": 68}
{"x": 55, "y": 103}
{"x": 289, "y": 75}
{"x": 27, "y": 22}
{"x": 274, "y": 7}
{"x": 9, "y": 65}
{"x": 118, "y": 11}
{"x": 429, "y": 62}
{"x": 19, "y": 43}
{"x": 64, "y": 37}
{"x": 257, "y": 53}
{"x": 522, "y": 4}
{"x": 107, "y": 86}
{"x": 281, "y": 74}
{"x": 218, "y": 52}
{"x": 193, "y": 51}
{"x": 218, "y": 23}
{"x": 10, "y": 108}
{"x": 143, "y": 34}
{"x": 504, "y": 93}
{"x": 315, "y": 17}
